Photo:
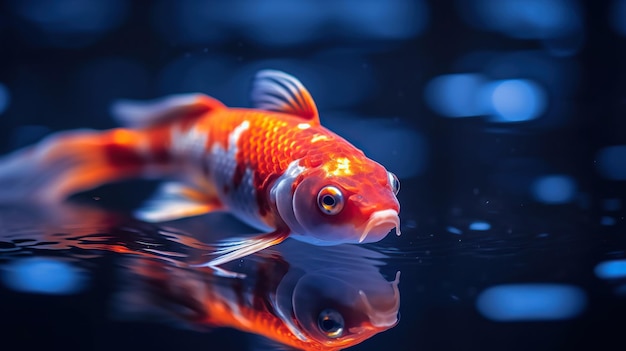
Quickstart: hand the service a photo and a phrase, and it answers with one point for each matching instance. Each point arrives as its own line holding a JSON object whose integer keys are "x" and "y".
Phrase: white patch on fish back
{"x": 234, "y": 136}
{"x": 304, "y": 126}
{"x": 318, "y": 137}
{"x": 191, "y": 143}
{"x": 240, "y": 200}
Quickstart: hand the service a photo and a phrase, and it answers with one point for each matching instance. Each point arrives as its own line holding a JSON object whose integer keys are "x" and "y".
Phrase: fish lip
{"x": 381, "y": 223}
{"x": 388, "y": 317}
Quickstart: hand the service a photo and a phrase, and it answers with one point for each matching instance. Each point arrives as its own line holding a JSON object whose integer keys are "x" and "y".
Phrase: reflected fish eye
{"x": 394, "y": 182}
{"x": 330, "y": 323}
{"x": 330, "y": 200}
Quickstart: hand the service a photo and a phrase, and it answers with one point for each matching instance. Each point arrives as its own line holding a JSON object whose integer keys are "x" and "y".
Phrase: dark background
{"x": 372, "y": 67}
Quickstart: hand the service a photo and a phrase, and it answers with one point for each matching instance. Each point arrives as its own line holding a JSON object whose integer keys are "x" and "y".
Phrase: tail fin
{"x": 68, "y": 162}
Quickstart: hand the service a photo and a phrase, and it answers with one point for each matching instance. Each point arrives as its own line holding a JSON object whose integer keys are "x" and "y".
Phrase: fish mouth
{"x": 379, "y": 225}
{"x": 383, "y": 317}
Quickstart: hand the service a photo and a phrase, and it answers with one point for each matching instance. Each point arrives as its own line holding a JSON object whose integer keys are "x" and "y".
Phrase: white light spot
{"x": 304, "y": 126}
{"x": 531, "y": 302}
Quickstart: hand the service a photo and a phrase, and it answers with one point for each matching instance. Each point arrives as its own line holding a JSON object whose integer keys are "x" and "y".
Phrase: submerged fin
{"x": 262, "y": 343}
{"x": 277, "y": 91}
{"x": 69, "y": 162}
{"x": 235, "y": 249}
{"x": 175, "y": 200}
{"x": 141, "y": 114}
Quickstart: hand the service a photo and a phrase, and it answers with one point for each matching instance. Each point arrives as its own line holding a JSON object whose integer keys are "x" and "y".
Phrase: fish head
{"x": 337, "y": 309}
{"x": 342, "y": 201}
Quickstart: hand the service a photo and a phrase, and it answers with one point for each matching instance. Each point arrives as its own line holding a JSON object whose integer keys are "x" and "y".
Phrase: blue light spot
{"x": 617, "y": 13}
{"x": 480, "y": 225}
{"x": 43, "y": 276}
{"x": 620, "y": 290}
{"x": 456, "y": 95}
{"x": 615, "y": 269}
{"x": 531, "y": 302}
{"x": 525, "y": 18}
{"x": 4, "y": 98}
{"x": 515, "y": 100}
{"x": 391, "y": 19}
{"x": 286, "y": 22}
{"x": 71, "y": 23}
{"x": 607, "y": 221}
{"x": 554, "y": 189}
{"x": 610, "y": 162}
{"x": 454, "y": 230}
{"x": 612, "y": 204}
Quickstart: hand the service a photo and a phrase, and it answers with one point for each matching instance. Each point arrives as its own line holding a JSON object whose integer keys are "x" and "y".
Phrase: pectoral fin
{"x": 176, "y": 200}
{"x": 235, "y": 249}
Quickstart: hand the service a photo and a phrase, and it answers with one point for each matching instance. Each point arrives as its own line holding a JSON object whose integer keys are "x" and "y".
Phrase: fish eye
{"x": 330, "y": 200}
{"x": 330, "y": 323}
{"x": 394, "y": 182}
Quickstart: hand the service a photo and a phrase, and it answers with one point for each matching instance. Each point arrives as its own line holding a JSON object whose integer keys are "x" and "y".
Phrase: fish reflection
{"x": 326, "y": 299}
{"x": 304, "y": 297}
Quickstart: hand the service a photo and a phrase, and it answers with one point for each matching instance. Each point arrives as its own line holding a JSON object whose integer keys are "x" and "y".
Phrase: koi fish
{"x": 330, "y": 299}
{"x": 274, "y": 166}
{"x": 326, "y": 299}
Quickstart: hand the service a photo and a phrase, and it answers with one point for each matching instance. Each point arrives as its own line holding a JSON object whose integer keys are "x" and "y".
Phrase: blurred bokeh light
{"x": 610, "y": 162}
{"x": 615, "y": 269}
{"x": 41, "y": 275}
{"x": 68, "y": 23}
{"x": 285, "y": 22}
{"x": 554, "y": 189}
{"x": 5, "y": 98}
{"x": 531, "y": 302}
{"x": 617, "y": 16}
{"x": 558, "y": 23}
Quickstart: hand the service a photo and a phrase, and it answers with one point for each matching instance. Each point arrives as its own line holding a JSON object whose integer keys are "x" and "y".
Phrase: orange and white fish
{"x": 273, "y": 166}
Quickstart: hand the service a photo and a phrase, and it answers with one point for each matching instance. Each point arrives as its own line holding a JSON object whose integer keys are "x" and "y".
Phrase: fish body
{"x": 273, "y": 166}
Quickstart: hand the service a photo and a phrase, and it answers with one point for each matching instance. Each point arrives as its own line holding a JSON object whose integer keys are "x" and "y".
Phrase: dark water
{"x": 504, "y": 121}
{"x": 75, "y": 277}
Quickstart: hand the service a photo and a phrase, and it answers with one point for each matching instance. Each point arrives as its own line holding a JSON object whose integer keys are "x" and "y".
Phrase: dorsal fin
{"x": 278, "y": 91}
{"x": 141, "y": 114}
